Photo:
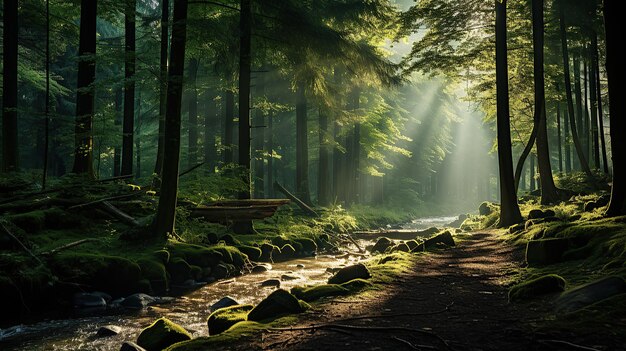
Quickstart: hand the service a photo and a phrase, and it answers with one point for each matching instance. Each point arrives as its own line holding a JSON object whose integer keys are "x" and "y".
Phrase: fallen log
{"x": 105, "y": 199}
{"x": 293, "y": 198}
{"x": 233, "y": 213}
{"x": 118, "y": 214}
{"x": 398, "y": 234}
{"x": 68, "y": 246}
{"x": 250, "y": 202}
{"x": 6, "y": 231}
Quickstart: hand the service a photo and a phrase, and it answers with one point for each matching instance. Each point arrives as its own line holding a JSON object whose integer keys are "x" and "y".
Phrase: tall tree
{"x": 605, "y": 163}
{"x": 258, "y": 140}
{"x": 210, "y": 122}
{"x": 549, "y": 192}
{"x": 509, "y": 209}
{"x": 85, "y": 92}
{"x": 165, "y": 19}
{"x": 164, "y": 219}
{"x": 302, "y": 145}
{"x": 129, "y": 88}
{"x": 323, "y": 181}
{"x": 47, "y": 100}
{"x": 616, "y": 75}
{"x": 568, "y": 93}
{"x": 594, "y": 104}
{"x": 9, "y": 87}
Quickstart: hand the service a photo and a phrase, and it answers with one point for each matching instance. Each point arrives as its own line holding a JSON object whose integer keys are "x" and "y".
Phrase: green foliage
{"x": 224, "y": 318}
{"x": 546, "y": 284}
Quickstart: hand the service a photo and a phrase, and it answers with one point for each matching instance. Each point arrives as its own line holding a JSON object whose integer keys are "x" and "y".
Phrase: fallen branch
{"x": 6, "y": 231}
{"x": 293, "y": 198}
{"x": 191, "y": 169}
{"x": 112, "y": 179}
{"x": 68, "y": 246}
{"x": 332, "y": 326}
{"x": 118, "y": 214}
{"x": 109, "y": 198}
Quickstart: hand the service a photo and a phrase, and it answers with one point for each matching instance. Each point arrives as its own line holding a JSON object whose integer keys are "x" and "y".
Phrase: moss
{"x": 313, "y": 293}
{"x": 230, "y": 240}
{"x": 545, "y": 251}
{"x": 278, "y": 303}
{"x": 224, "y": 318}
{"x": 196, "y": 272}
{"x": 196, "y": 255}
{"x": 162, "y": 255}
{"x": 144, "y": 286}
{"x": 287, "y": 251}
{"x": 30, "y": 222}
{"x": 253, "y": 253}
{"x": 356, "y": 285}
{"x": 155, "y": 272}
{"x": 349, "y": 273}
{"x": 308, "y": 245}
{"x": 117, "y": 276}
{"x": 162, "y": 334}
{"x": 543, "y": 285}
{"x": 179, "y": 270}
{"x": 223, "y": 341}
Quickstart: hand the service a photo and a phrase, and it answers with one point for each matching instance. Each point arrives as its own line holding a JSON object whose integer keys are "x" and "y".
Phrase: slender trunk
{"x": 522, "y": 182}
{"x": 229, "y": 112}
{"x": 270, "y": 152}
{"x": 245, "y": 60}
{"x": 10, "y": 154}
{"x": 616, "y": 75}
{"x": 568, "y": 93}
{"x": 165, "y": 14}
{"x": 356, "y": 152}
{"x": 210, "y": 121}
{"x": 258, "y": 140}
{"x": 525, "y": 153}
{"x": 129, "y": 89}
{"x": 533, "y": 173}
{"x": 566, "y": 140}
{"x": 338, "y": 190}
{"x": 509, "y": 209}
{"x": 548, "y": 189}
{"x": 302, "y": 146}
{"x": 594, "y": 103}
{"x": 558, "y": 135}
{"x": 586, "y": 123}
{"x": 85, "y": 92}
{"x": 579, "y": 110}
{"x": 47, "y": 101}
{"x": 164, "y": 219}
{"x": 192, "y": 147}
{"x": 323, "y": 189}
{"x": 117, "y": 150}
{"x": 605, "y": 163}
{"x": 138, "y": 138}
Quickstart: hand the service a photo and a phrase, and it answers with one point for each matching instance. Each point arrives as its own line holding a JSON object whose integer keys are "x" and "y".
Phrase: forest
{"x": 312, "y": 175}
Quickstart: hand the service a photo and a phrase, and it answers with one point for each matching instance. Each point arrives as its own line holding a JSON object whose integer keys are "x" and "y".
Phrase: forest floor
{"x": 458, "y": 295}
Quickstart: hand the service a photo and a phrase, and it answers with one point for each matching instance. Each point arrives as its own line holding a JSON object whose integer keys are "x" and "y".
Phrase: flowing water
{"x": 190, "y": 310}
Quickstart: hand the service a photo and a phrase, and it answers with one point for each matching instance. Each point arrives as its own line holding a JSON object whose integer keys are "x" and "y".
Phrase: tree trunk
{"x": 549, "y": 192}
{"x": 165, "y": 14}
{"x": 586, "y": 125}
{"x": 258, "y": 141}
{"x": 85, "y": 92}
{"x": 210, "y": 121}
{"x": 356, "y": 152}
{"x": 10, "y": 154}
{"x": 192, "y": 147}
{"x": 129, "y": 89}
{"x": 579, "y": 110}
{"x": 509, "y": 209}
{"x": 338, "y": 190}
{"x": 47, "y": 101}
{"x": 594, "y": 103}
{"x": 229, "y": 112}
{"x": 302, "y": 146}
{"x": 616, "y": 76}
{"x": 566, "y": 141}
{"x": 270, "y": 151}
{"x": 117, "y": 150}
{"x": 605, "y": 163}
{"x": 164, "y": 220}
{"x": 559, "y": 136}
{"x": 245, "y": 60}
{"x": 323, "y": 176}
{"x": 568, "y": 93}
{"x": 138, "y": 138}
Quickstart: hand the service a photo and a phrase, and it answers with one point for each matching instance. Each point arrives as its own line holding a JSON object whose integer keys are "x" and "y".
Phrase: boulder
{"x": 600, "y": 202}
{"x": 287, "y": 277}
{"x": 224, "y": 318}
{"x": 278, "y": 303}
{"x": 268, "y": 251}
{"x": 260, "y": 268}
{"x": 108, "y": 330}
{"x": 271, "y": 283}
{"x": 382, "y": 244}
{"x": 161, "y": 334}
{"x": 484, "y": 209}
{"x": 223, "y": 270}
{"x": 179, "y": 270}
{"x": 253, "y": 253}
{"x": 348, "y": 273}
{"x": 546, "y": 251}
{"x": 313, "y": 293}
{"x": 590, "y": 293}
{"x": 544, "y": 285}
{"x": 212, "y": 238}
{"x": 225, "y": 301}
{"x": 138, "y": 301}
{"x": 444, "y": 238}
{"x": 287, "y": 251}
{"x": 402, "y": 247}
{"x": 131, "y": 346}
{"x": 88, "y": 300}
{"x": 229, "y": 240}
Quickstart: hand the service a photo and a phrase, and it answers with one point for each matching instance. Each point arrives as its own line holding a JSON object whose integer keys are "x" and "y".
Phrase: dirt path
{"x": 456, "y": 295}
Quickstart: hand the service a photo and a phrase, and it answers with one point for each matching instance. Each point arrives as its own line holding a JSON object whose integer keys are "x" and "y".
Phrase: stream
{"x": 190, "y": 310}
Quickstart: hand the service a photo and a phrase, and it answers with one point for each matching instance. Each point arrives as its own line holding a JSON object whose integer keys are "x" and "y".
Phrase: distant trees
{"x": 9, "y": 87}
{"x": 129, "y": 88}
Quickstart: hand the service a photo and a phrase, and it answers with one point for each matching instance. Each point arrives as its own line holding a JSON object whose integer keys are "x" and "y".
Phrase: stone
{"x": 103, "y": 295}
{"x": 544, "y": 285}
{"x": 546, "y": 251}
{"x": 278, "y": 303}
{"x": 224, "y": 318}
{"x": 588, "y": 294}
{"x": 88, "y": 300}
{"x": 287, "y": 277}
{"x": 535, "y": 214}
{"x": 259, "y": 269}
{"x": 348, "y": 273}
{"x": 402, "y": 247}
{"x": 138, "y": 301}
{"x": 443, "y": 238}
{"x": 131, "y": 346}
{"x": 300, "y": 266}
{"x": 225, "y": 301}
{"x": 287, "y": 251}
{"x": 223, "y": 270}
{"x": 229, "y": 240}
{"x": 271, "y": 283}
{"x": 268, "y": 251}
{"x": 484, "y": 209}
{"x": 382, "y": 244}
{"x": 108, "y": 330}
{"x": 161, "y": 334}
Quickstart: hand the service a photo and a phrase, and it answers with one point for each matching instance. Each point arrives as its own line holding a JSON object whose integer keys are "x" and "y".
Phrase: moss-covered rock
{"x": 412, "y": 244}
{"x": 196, "y": 272}
{"x": 590, "y": 293}
{"x": 162, "y": 255}
{"x": 268, "y": 251}
{"x": 382, "y": 244}
{"x": 280, "y": 240}
{"x": 401, "y": 247}
{"x": 230, "y": 240}
{"x": 224, "y": 318}
{"x": 351, "y": 272}
{"x": 162, "y": 334}
{"x": 278, "y": 303}
{"x": 444, "y": 238}
{"x": 196, "y": 255}
{"x": 253, "y": 253}
{"x": 546, "y": 284}
{"x": 287, "y": 252}
{"x": 224, "y": 270}
{"x": 485, "y": 209}
{"x": 356, "y": 285}
{"x": 179, "y": 270}
{"x": 545, "y": 251}
{"x": 154, "y": 271}
{"x": 313, "y": 293}
{"x": 308, "y": 245}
